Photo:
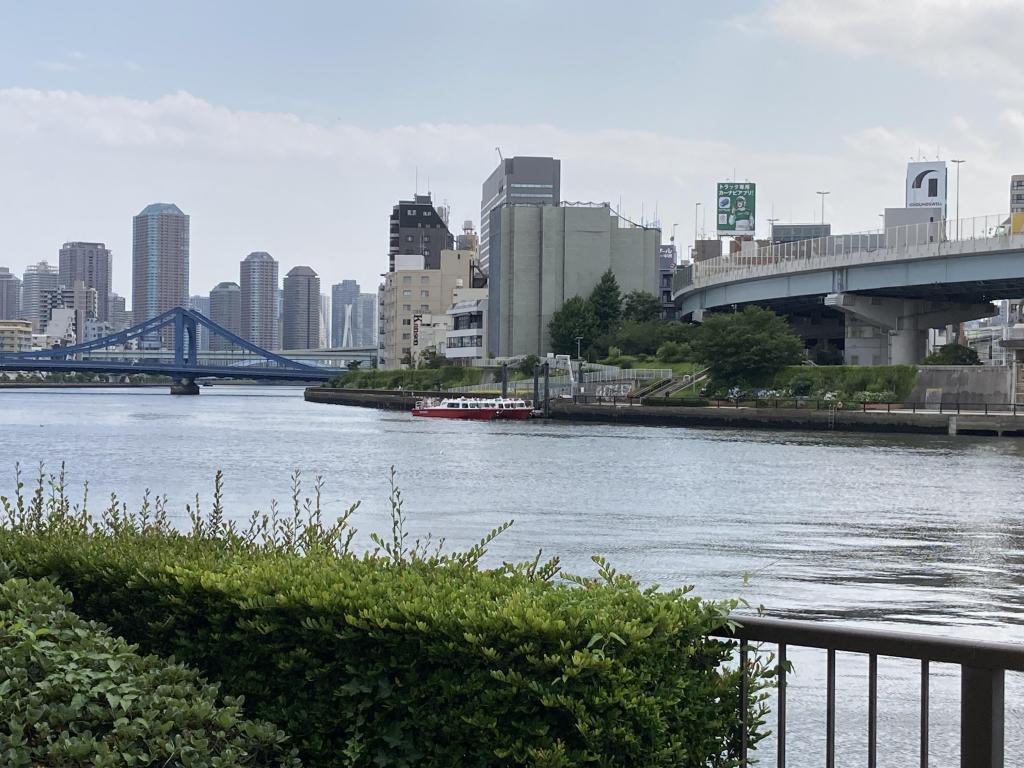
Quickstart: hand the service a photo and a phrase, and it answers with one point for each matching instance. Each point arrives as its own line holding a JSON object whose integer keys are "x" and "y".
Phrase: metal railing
{"x": 982, "y": 664}
{"x": 805, "y": 404}
{"x": 949, "y": 236}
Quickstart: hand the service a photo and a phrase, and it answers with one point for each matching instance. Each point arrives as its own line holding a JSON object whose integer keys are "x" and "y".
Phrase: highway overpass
{"x": 875, "y": 295}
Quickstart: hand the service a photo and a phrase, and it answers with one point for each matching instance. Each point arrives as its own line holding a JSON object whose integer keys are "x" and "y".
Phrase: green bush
{"x": 846, "y": 381}
{"x": 73, "y": 695}
{"x": 409, "y": 378}
{"x": 403, "y": 656}
{"x": 674, "y": 352}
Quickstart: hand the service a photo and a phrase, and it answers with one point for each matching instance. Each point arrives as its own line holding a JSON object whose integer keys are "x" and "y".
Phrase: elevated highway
{"x": 874, "y": 294}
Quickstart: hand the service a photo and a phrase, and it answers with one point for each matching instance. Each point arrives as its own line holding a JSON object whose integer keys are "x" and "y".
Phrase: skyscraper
{"x": 343, "y": 298}
{"x": 10, "y": 295}
{"x": 364, "y": 320}
{"x": 160, "y": 247}
{"x": 120, "y": 318}
{"x": 38, "y": 279}
{"x": 301, "y": 309}
{"x": 417, "y": 228}
{"x": 258, "y": 284}
{"x": 90, "y": 263}
{"x": 516, "y": 180}
{"x": 201, "y": 304}
{"x": 325, "y": 321}
{"x": 226, "y": 311}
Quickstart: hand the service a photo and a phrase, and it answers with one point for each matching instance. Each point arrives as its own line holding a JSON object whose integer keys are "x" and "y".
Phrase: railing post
{"x": 981, "y": 717}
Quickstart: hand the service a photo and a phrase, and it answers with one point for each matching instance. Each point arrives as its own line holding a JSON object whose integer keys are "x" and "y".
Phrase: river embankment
{"x": 909, "y": 421}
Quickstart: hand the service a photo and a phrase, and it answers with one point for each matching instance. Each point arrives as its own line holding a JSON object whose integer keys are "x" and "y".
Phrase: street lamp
{"x": 823, "y": 204}
{"x": 771, "y": 229}
{"x": 958, "y": 162}
{"x": 578, "y": 355}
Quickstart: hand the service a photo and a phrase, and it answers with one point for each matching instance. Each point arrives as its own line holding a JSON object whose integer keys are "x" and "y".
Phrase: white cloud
{"x": 78, "y": 166}
{"x": 959, "y": 38}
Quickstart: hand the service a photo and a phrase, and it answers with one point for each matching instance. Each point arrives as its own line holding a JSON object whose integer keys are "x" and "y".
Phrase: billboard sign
{"x": 926, "y": 185}
{"x": 735, "y": 208}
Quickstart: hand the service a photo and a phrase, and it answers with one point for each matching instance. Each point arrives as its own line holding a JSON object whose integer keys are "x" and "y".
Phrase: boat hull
{"x": 474, "y": 414}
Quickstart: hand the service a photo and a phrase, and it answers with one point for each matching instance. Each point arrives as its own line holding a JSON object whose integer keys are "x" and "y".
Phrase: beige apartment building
{"x": 409, "y": 294}
{"x": 15, "y": 335}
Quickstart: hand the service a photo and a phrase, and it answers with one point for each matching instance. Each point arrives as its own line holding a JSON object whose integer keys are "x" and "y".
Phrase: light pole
{"x": 771, "y": 228}
{"x": 696, "y": 210}
{"x": 823, "y": 204}
{"x": 578, "y": 356}
{"x": 958, "y": 163}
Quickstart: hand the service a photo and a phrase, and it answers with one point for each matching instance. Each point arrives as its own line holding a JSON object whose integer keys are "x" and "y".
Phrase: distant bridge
{"x": 875, "y": 294}
{"x": 184, "y": 363}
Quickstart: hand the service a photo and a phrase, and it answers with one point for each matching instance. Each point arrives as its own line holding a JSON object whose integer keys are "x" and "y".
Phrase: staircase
{"x": 675, "y": 385}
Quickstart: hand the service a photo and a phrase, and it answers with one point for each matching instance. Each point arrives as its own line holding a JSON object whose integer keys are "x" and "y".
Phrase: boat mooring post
{"x": 547, "y": 389}
{"x": 504, "y": 379}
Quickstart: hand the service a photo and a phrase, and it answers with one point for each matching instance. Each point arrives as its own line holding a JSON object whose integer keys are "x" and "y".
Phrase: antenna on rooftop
{"x": 500, "y": 158}
{"x": 417, "y": 180}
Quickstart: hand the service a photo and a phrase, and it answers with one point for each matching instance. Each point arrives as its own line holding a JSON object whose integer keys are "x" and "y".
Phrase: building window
{"x": 424, "y": 278}
{"x": 406, "y": 279}
{"x": 424, "y": 307}
{"x": 410, "y": 211}
{"x": 406, "y": 293}
{"x": 405, "y": 337}
{"x": 407, "y": 307}
{"x": 406, "y": 321}
{"x": 424, "y": 294}
{"x": 408, "y": 238}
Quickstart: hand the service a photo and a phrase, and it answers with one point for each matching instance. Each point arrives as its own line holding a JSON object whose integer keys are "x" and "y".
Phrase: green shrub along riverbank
{"x": 848, "y": 382}
{"x": 404, "y": 655}
{"x": 412, "y": 378}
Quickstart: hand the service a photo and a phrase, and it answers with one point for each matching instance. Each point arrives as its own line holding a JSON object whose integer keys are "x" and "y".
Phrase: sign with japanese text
{"x": 735, "y": 214}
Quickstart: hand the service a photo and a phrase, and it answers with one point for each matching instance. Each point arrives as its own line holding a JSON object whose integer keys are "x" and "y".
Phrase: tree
{"x": 606, "y": 302}
{"x": 575, "y": 318}
{"x": 746, "y": 348}
{"x": 353, "y": 364}
{"x": 953, "y": 354}
{"x": 527, "y": 365}
{"x": 641, "y": 307}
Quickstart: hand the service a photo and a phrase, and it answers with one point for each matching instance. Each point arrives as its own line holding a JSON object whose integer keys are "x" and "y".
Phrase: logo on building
{"x": 926, "y": 185}
{"x": 416, "y": 320}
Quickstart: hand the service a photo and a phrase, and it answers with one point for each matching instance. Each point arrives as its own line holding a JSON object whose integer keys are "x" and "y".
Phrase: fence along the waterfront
{"x": 980, "y": 233}
{"x": 563, "y": 384}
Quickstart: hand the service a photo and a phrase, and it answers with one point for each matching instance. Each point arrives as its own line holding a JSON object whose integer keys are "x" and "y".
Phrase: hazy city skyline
{"x": 325, "y": 132}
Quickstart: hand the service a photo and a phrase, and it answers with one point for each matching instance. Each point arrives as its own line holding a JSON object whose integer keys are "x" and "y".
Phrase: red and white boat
{"x": 476, "y": 408}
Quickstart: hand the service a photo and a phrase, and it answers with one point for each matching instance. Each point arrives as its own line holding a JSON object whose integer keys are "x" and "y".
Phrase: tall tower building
{"x": 343, "y": 299}
{"x": 416, "y": 227}
{"x": 1017, "y": 193}
{"x": 325, "y": 321}
{"x": 226, "y": 311}
{"x": 10, "y": 295}
{"x": 201, "y": 304}
{"x": 516, "y": 180}
{"x": 364, "y": 320}
{"x": 258, "y": 283}
{"x": 300, "y": 310}
{"x": 92, "y": 264}
{"x": 160, "y": 247}
{"x": 37, "y": 280}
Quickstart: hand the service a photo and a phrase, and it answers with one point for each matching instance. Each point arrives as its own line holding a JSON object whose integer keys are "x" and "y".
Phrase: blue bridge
{"x": 136, "y": 350}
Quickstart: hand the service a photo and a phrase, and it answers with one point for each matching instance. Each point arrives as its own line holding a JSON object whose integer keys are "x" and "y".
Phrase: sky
{"x": 294, "y": 128}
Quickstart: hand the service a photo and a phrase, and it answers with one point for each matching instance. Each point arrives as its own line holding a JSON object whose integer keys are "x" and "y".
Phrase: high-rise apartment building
{"x": 160, "y": 254}
{"x": 38, "y": 279}
{"x": 300, "y": 310}
{"x": 416, "y": 227}
{"x": 364, "y": 321}
{"x": 325, "y": 321}
{"x": 201, "y": 304}
{"x": 343, "y": 299}
{"x": 120, "y": 316}
{"x": 516, "y": 181}
{"x": 226, "y": 311}
{"x": 79, "y": 300}
{"x": 548, "y": 254}
{"x": 258, "y": 282}
{"x": 92, "y": 264}
{"x": 10, "y": 295}
{"x": 1017, "y": 193}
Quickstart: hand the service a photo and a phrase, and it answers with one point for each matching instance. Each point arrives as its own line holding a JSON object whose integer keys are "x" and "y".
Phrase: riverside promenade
{"x": 894, "y": 419}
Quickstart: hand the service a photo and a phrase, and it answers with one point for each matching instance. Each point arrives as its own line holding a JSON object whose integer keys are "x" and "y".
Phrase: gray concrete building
{"x": 258, "y": 283}
{"x": 417, "y": 228}
{"x": 120, "y": 316}
{"x": 201, "y": 304}
{"x": 300, "y": 310}
{"x": 38, "y": 279}
{"x": 226, "y": 311}
{"x": 160, "y": 262}
{"x": 667, "y": 259}
{"x": 364, "y": 321}
{"x": 10, "y": 295}
{"x": 1017, "y": 193}
{"x": 548, "y": 254}
{"x": 517, "y": 180}
{"x": 91, "y": 263}
{"x": 79, "y": 299}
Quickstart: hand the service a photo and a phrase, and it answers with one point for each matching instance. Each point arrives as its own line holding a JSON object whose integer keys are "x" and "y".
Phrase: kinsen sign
{"x": 736, "y": 207}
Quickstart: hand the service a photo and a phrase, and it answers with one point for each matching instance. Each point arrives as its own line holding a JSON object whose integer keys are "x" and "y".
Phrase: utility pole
{"x": 958, "y": 163}
{"x": 771, "y": 229}
{"x": 823, "y": 204}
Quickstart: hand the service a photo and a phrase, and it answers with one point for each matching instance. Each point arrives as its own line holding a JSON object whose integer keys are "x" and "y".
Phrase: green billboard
{"x": 735, "y": 208}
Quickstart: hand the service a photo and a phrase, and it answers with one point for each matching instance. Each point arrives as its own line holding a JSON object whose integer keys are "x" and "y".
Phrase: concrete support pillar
{"x": 883, "y": 330}
{"x": 184, "y": 386}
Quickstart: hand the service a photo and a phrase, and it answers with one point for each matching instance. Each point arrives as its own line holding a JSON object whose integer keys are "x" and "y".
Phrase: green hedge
{"x": 73, "y": 695}
{"x": 413, "y": 378}
{"x": 395, "y": 658}
{"x": 847, "y": 380}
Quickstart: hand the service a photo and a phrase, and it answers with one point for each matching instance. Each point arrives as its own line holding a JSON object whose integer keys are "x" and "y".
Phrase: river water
{"x": 916, "y": 532}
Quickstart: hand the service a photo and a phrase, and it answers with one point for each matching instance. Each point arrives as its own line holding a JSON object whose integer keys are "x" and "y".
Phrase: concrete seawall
{"x": 724, "y": 417}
